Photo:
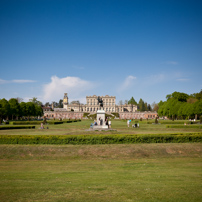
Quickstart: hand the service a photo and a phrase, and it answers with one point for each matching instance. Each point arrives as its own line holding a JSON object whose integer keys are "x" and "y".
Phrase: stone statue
{"x": 100, "y": 101}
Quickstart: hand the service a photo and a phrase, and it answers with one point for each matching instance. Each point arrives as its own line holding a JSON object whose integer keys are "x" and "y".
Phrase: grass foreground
{"x": 134, "y": 172}
{"x": 118, "y": 126}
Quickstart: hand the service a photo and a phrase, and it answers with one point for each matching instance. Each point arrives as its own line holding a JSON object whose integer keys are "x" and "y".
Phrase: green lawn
{"x": 119, "y": 126}
{"x": 134, "y": 172}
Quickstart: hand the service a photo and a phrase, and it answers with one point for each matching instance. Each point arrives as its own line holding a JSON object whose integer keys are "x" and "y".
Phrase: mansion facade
{"x": 75, "y": 110}
{"x": 92, "y": 105}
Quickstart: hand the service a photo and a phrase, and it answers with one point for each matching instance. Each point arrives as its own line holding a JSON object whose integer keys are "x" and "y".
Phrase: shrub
{"x": 85, "y": 114}
{"x": 184, "y": 126}
{"x": 100, "y": 139}
{"x": 156, "y": 120}
{"x": 16, "y": 127}
{"x": 115, "y": 114}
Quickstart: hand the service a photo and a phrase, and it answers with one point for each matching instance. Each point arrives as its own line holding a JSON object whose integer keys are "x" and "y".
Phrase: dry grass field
{"x": 126, "y": 172}
{"x": 132, "y": 172}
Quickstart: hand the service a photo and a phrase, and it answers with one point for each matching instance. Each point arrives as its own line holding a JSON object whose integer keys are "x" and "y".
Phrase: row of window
{"x": 104, "y": 100}
{"x": 104, "y": 103}
{"x": 95, "y": 109}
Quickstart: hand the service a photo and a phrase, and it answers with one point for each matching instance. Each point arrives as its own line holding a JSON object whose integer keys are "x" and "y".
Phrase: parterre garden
{"x": 69, "y": 162}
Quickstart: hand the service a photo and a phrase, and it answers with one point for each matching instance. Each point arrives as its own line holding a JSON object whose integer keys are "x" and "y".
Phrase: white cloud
{"x": 74, "y": 86}
{"x": 23, "y": 81}
{"x": 128, "y": 82}
{"x": 3, "y": 81}
{"x": 16, "y": 81}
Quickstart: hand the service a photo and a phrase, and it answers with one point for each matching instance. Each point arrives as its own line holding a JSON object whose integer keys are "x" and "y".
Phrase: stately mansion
{"x": 92, "y": 105}
{"x": 76, "y": 110}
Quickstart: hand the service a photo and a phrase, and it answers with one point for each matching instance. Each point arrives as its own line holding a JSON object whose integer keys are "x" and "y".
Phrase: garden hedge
{"x": 101, "y": 139}
{"x": 39, "y": 122}
{"x": 198, "y": 126}
{"x": 16, "y": 127}
{"x": 173, "y": 122}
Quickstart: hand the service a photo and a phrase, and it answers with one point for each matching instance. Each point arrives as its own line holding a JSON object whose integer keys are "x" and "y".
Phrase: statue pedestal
{"x": 100, "y": 120}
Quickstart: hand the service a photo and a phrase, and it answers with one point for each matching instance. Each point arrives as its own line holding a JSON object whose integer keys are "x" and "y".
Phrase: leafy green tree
{"x": 197, "y": 96}
{"x": 149, "y": 108}
{"x": 0, "y": 113}
{"x": 174, "y": 107}
{"x": 132, "y": 101}
{"x": 61, "y": 103}
{"x": 182, "y": 97}
{"x": 35, "y": 101}
{"x": 141, "y": 105}
{"x": 5, "y": 108}
{"x": 30, "y": 108}
{"x": 23, "y": 109}
{"x": 47, "y": 104}
{"x": 197, "y": 108}
{"x": 14, "y": 107}
{"x": 182, "y": 111}
{"x": 168, "y": 96}
{"x": 189, "y": 110}
{"x": 38, "y": 110}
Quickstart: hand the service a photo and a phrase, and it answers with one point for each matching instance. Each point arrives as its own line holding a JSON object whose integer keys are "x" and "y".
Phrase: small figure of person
{"x": 42, "y": 127}
{"x": 109, "y": 123}
{"x": 106, "y": 121}
{"x": 128, "y": 123}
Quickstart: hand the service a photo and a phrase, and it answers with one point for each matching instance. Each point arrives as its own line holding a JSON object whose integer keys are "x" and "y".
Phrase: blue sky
{"x": 123, "y": 48}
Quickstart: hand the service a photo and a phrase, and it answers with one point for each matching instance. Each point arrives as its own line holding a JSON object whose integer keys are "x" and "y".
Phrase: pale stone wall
{"x": 63, "y": 115}
{"x": 138, "y": 115}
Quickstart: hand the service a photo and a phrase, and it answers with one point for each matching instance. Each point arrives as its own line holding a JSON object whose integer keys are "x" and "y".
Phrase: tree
{"x": 141, "y": 105}
{"x": 61, "y": 103}
{"x": 75, "y": 102}
{"x": 191, "y": 100}
{"x": 197, "y": 108}
{"x": 149, "y": 107}
{"x": 189, "y": 110}
{"x": 126, "y": 102}
{"x": 35, "y": 101}
{"x": 19, "y": 99}
{"x": 30, "y": 108}
{"x": 168, "y": 96}
{"x": 155, "y": 106}
{"x": 23, "y": 109}
{"x": 198, "y": 96}
{"x": 182, "y": 111}
{"x": 38, "y": 110}
{"x": 14, "y": 107}
{"x": 5, "y": 108}
{"x": 182, "y": 97}
{"x": 47, "y": 104}
{"x": 121, "y": 102}
{"x": 132, "y": 101}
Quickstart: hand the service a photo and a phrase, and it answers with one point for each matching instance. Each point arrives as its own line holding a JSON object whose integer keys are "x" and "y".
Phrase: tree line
{"x": 141, "y": 105}
{"x": 181, "y": 106}
{"x": 14, "y": 109}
